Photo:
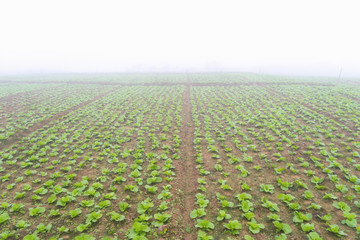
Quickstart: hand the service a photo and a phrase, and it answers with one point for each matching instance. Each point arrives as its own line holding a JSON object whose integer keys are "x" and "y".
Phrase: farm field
{"x": 179, "y": 156}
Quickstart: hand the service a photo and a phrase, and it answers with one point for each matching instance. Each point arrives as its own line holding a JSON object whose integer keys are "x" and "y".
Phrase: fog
{"x": 278, "y": 37}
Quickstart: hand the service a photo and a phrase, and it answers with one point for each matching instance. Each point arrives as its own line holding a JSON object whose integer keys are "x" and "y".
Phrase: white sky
{"x": 271, "y": 36}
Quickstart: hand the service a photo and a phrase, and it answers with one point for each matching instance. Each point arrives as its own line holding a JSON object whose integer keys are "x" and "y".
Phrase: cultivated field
{"x": 179, "y": 156}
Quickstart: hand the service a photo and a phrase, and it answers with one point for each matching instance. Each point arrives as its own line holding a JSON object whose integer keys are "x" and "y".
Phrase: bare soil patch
{"x": 187, "y": 173}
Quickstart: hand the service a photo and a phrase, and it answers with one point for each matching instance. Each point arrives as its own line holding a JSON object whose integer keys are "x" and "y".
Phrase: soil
{"x": 187, "y": 174}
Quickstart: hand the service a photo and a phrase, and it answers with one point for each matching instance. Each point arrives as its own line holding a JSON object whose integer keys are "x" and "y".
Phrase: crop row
{"x": 340, "y": 103}
{"x": 219, "y": 161}
{"x": 267, "y": 164}
{"x": 8, "y": 89}
{"x": 103, "y": 167}
{"x": 24, "y": 110}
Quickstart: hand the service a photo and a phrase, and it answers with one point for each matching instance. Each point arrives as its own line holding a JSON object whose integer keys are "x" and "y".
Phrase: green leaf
{"x": 54, "y": 213}
{"x": 314, "y": 206}
{"x": 342, "y": 206}
{"x": 75, "y": 212}
{"x": 4, "y": 218}
{"x": 87, "y": 203}
{"x": 255, "y": 227}
{"x": 307, "y": 227}
{"x": 22, "y": 224}
{"x": 222, "y": 215}
{"x": 204, "y": 224}
{"x": 7, "y": 234}
{"x": 110, "y": 196}
{"x": 151, "y": 189}
{"x": 350, "y": 219}
{"x": 65, "y": 200}
{"x": 300, "y": 217}
{"x": 104, "y": 204}
{"x": 202, "y": 202}
{"x": 31, "y": 237}
{"x": 270, "y": 205}
{"x": 336, "y": 230}
{"x": 137, "y": 229}
{"x": 5, "y": 205}
{"x": 203, "y": 236}
{"x": 281, "y": 237}
{"x": 314, "y": 236}
{"x": 144, "y": 206}
{"x": 42, "y": 228}
{"x": 93, "y": 217}
{"x": 41, "y": 191}
{"x": 249, "y": 215}
{"x": 243, "y": 196}
{"x": 234, "y": 227}
{"x": 248, "y": 237}
{"x": 199, "y": 212}
{"x": 274, "y": 217}
{"x": 329, "y": 196}
{"x": 246, "y": 206}
{"x": 163, "y": 206}
{"x": 52, "y": 198}
{"x": 326, "y": 217}
{"x": 294, "y": 206}
{"x": 267, "y": 188}
{"x": 283, "y": 184}
{"x": 82, "y": 227}
{"x": 116, "y": 217}
{"x": 161, "y": 219}
{"x": 282, "y": 227}
{"x": 84, "y": 236}
{"x": 308, "y": 195}
{"x": 286, "y": 198}
{"x": 36, "y": 211}
{"x": 123, "y": 206}
{"x": 226, "y": 204}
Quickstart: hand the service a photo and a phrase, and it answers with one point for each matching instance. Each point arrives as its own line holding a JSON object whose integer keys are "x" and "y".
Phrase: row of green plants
{"x": 109, "y": 163}
{"x": 248, "y": 133}
{"x": 24, "y": 110}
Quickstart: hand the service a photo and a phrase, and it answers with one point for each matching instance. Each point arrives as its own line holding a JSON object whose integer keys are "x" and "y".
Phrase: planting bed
{"x": 179, "y": 156}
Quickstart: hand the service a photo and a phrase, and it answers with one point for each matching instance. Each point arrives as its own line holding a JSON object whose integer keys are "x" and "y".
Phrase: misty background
{"x": 275, "y": 37}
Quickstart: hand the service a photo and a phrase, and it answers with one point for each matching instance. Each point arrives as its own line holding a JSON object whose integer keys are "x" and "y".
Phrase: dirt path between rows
{"x": 187, "y": 172}
{"x": 25, "y": 133}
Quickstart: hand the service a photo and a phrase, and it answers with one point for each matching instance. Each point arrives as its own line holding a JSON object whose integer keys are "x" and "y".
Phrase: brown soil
{"x": 187, "y": 172}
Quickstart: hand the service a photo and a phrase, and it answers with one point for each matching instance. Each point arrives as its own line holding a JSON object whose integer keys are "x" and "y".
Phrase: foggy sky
{"x": 283, "y": 37}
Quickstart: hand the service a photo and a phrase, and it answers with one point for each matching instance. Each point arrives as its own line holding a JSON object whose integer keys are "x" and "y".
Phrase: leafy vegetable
{"x": 255, "y": 227}
{"x": 233, "y": 226}
{"x": 282, "y": 227}
{"x": 336, "y": 230}
{"x": 204, "y": 224}
{"x": 199, "y": 212}
{"x": 116, "y": 216}
{"x": 268, "y": 188}
{"x": 36, "y": 211}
